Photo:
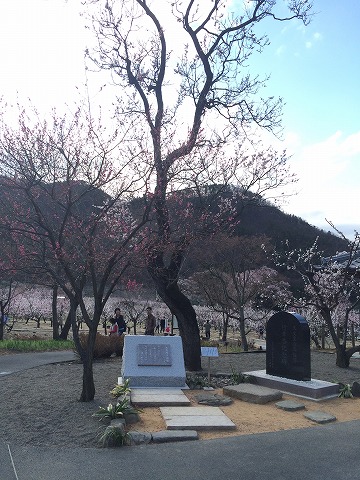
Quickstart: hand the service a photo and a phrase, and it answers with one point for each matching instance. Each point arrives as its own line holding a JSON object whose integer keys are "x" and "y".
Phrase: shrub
{"x": 112, "y": 437}
{"x": 345, "y": 390}
{"x": 121, "y": 408}
{"x": 121, "y": 390}
{"x": 105, "y": 346}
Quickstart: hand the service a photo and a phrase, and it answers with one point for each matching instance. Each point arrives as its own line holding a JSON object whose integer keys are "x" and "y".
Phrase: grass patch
{"x": 29, "y": 345}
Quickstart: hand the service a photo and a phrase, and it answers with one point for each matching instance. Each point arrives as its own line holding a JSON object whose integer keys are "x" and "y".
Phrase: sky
{"x": 315, "y": 69}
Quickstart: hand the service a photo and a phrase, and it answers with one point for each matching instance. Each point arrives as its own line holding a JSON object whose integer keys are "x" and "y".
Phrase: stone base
{"x": 248, "y": 392}
{"x": 313, "y": 389}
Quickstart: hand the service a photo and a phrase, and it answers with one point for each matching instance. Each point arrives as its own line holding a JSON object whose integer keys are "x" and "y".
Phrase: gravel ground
{"x": 39, "y": 406}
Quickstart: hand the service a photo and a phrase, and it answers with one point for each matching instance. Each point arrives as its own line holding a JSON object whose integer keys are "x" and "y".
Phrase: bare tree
{"x": 182, "y": 72}
{"x": 235, "y": 282}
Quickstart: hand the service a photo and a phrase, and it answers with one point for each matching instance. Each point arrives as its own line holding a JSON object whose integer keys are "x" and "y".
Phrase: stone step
{"x": 166, "y": 436}
{"x": 158, "y": 397}
{"x": 320, "y": 417}
{"x": 248, "y": 392}
{"x": 196, "y": 418}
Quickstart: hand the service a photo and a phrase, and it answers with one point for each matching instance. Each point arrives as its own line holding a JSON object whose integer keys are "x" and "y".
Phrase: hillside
{"x": 256, "y": 218}
{"x": 265, "y": 219}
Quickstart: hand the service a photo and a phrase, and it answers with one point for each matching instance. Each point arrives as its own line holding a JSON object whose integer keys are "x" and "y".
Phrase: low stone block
{"x": 131, "y": 418}
{"x": 248, "y": 392}
{"x": 355, "y": 389}
{"x": 290, "y": 405}
{"x": 174, "y": 436}
{"x": 118, "y": 423}
{"x": 213, "y": 400}
{"x": 138, "y": 438}
{"x": 320, "y": 417}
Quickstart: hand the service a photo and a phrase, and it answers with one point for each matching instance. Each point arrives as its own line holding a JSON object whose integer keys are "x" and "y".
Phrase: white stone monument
{"x": 153, "y": 362}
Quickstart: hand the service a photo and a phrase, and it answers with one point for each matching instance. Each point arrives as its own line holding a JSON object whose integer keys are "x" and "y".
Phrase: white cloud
{"x": 328, "y": 175}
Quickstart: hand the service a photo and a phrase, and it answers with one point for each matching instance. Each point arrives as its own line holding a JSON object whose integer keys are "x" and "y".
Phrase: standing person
{"x": 162, "y": 325}
{"x": 207, "y": 329}
{"x": 150, "y": 322}
{"x": 119, "y": 319}
{"x": 157, "y": 328}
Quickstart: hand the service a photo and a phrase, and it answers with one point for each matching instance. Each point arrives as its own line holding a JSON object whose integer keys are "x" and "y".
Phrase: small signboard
{"x": 209, "y": 352}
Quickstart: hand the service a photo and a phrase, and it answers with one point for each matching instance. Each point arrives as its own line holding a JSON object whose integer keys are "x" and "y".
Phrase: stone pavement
{"x": 23, "y": 361}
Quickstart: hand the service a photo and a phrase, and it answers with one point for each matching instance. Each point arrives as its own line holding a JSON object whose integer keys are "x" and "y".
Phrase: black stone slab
{"x": 288, "y": 346}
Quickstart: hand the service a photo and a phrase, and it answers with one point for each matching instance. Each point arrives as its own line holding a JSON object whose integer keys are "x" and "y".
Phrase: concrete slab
{"x": 158, "y": 397}
{"x": 196, "y": 418}
{"x": 320, "y": 417}
{"x": 166, "y": 436}
{"x": 313, "y": 389}
{"x": 248, "y": 392}
{"x": 191, "y": 411}
{"x": 290, "y": 405}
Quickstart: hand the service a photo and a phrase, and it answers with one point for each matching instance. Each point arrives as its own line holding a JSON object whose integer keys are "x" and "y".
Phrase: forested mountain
{"x": 266, "y": 219}
{"x": 256, "y": 217}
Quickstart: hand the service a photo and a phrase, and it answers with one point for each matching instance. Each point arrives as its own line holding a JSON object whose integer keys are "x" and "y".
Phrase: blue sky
{"x": 315, "y": 69}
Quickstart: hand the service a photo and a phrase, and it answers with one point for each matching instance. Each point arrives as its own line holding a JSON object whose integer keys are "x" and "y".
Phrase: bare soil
{"x": 40, "y": 407}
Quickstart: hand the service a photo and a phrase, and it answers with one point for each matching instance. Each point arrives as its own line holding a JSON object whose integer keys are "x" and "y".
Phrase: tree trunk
{"x": 323, "y": 337}
{"x": 225, "y": 328}
{"x": 88, "y": 385}
{"x": 55, "y": 323}
{"x": 66, "y": 328}
{"x": 342, "y": 358}
{"x": 244, "y": 341}
{"x": 2, "y": 320}
{"x": 86, "y": 352}
{"x": 185, "y": 314}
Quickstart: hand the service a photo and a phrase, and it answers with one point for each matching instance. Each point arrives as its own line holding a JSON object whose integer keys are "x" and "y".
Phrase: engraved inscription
{"x": 154, "y": 355}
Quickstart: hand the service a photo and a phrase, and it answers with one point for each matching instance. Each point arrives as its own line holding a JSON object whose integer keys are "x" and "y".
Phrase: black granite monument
{"x": 288, "y": 346}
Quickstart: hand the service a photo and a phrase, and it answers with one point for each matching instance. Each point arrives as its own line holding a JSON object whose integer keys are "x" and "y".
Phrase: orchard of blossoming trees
{"x": 182, "y": 114}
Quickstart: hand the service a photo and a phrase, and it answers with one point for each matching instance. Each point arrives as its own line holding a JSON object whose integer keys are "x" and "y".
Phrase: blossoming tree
{"x": 330, "y": 287}
{"x": 65, "y": 183}
{"x": 182, "y": 73}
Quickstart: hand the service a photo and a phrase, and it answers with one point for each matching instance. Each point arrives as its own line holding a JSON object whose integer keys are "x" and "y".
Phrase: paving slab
{"x": 158, "y": 397}
{"x": 166, "y": 436}
{"x": 196, "y": 418}
{"x": 290, "y": 405}
{"x": 214, "y": 400}
{"x": 320, "y": 417}
{"x": 248, "y": 392}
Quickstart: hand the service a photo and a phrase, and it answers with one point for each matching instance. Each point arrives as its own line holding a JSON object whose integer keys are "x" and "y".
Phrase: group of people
{"x": 118, "y": 324}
